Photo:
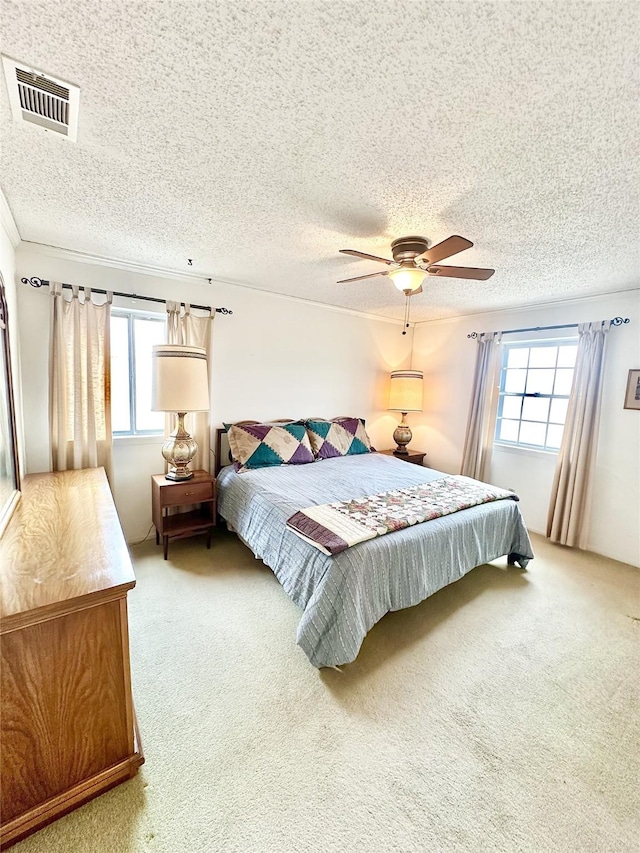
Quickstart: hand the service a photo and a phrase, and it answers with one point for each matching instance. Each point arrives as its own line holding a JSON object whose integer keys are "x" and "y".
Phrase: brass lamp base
{"x": 402, "y": 435}
{"x": 178, "y": 473}
{"x": 178, "y": 450}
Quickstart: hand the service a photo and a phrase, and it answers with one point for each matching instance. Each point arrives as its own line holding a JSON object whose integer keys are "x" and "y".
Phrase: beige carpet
{"x": 498, "y": 715}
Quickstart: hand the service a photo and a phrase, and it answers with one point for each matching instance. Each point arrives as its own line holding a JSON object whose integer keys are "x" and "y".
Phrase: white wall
{"x": 274, "y": 357}
{"x": 447, "y": 356}
{"x": 8, "y": 241}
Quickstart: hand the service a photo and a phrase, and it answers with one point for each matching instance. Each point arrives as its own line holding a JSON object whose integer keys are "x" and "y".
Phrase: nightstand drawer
{"x": 186, "y": 493}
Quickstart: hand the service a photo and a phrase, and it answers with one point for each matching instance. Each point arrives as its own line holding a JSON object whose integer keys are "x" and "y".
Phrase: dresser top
{"x": 63, "y": 542}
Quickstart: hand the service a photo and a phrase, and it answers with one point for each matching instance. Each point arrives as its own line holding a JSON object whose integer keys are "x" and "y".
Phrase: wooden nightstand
{"x": 414, "y": 456}
{"x": 200, "y": 489}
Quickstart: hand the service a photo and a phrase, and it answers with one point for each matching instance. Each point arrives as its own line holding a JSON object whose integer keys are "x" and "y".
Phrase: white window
{"x": 133, "y": 333}
{"x": 535, "y": 383}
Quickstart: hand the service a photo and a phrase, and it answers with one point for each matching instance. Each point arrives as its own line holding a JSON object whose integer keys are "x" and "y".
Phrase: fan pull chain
{"x": 406, "y": 314}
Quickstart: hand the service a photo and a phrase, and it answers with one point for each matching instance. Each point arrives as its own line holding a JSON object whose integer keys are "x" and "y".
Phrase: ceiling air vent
{"x": 41, "y": 99}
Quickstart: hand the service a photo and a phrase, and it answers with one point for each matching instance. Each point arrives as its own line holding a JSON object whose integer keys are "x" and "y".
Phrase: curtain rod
{"x": 617, "y": 321}
{"x": 36, "y": 281}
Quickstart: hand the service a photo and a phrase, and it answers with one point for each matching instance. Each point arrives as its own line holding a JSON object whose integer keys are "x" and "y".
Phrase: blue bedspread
{"x": 344, "y": 596}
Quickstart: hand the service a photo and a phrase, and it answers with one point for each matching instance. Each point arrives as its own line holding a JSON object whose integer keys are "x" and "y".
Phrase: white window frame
{"x": 518, "y": 446}
{"x": 132, "y": 314}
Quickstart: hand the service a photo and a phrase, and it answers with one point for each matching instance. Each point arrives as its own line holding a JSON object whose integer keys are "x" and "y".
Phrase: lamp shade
{"x": 179, "y": 380}
{"x": 405, "y": 391}
{"x": 407, "y": 278}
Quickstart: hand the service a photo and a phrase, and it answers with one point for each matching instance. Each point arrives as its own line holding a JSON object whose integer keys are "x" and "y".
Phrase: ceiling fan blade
{"x": 369, "y": 257}
{"x": 461, "y": 272}
{"x": 448, "y": 247}
{"x": 360, "y": 277}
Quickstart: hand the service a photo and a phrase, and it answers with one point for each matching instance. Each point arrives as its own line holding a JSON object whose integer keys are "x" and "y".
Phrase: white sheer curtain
{"x": 478, "y": 444}
{"x": 568, "y": 518}
{"x": 187, "y": 329}
{"x": 79, "y": 382}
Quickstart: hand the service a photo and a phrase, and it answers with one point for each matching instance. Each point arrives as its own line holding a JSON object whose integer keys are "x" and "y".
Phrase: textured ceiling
{"x": 258, "y": 138}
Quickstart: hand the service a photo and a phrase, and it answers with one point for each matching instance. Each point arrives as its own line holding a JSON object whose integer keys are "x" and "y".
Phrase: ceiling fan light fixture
{"x": 413, "y": 261}
{"x": 407, "y": 278}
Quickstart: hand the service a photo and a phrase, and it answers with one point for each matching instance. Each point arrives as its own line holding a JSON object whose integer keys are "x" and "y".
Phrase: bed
{"x": 343, "y": 596}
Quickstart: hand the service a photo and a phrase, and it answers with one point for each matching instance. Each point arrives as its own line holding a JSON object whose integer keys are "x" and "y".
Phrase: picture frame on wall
{"x": 632, "y": 397}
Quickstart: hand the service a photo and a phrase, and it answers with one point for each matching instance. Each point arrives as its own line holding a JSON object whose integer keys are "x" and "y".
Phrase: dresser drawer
{"x": 186, "y": 493}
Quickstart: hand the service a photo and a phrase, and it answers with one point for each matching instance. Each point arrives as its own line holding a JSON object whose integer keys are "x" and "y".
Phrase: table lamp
{"x": 405, "y": 395}
{"x": 179, "y": 384}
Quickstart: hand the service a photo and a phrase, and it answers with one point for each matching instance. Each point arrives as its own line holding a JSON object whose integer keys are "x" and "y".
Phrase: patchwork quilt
{"x": 334, "y": 527}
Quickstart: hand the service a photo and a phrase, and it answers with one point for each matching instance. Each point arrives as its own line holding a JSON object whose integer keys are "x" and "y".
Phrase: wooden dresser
{"x": 67, "y": 725}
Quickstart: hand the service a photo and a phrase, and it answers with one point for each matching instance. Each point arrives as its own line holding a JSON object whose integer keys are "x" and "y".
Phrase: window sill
{"x": 525, "y": 451}
{"x": 124, "y": 440}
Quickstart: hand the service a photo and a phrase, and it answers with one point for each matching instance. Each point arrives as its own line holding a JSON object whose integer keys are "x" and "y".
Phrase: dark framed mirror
{"x": 9, "y": 468}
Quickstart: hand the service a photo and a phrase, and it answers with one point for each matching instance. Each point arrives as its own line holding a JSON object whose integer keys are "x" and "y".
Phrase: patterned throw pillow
{"x": 265, "y": 445}
{"x": 341, "y": 437}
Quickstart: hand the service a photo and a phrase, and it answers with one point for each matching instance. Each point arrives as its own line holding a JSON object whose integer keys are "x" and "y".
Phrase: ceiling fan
{"x": 413, "y": 261}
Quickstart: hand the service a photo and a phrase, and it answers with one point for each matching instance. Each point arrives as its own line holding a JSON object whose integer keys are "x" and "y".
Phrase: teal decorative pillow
{"x": 266, "y": 445}
{"x": 340, "y": 437}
